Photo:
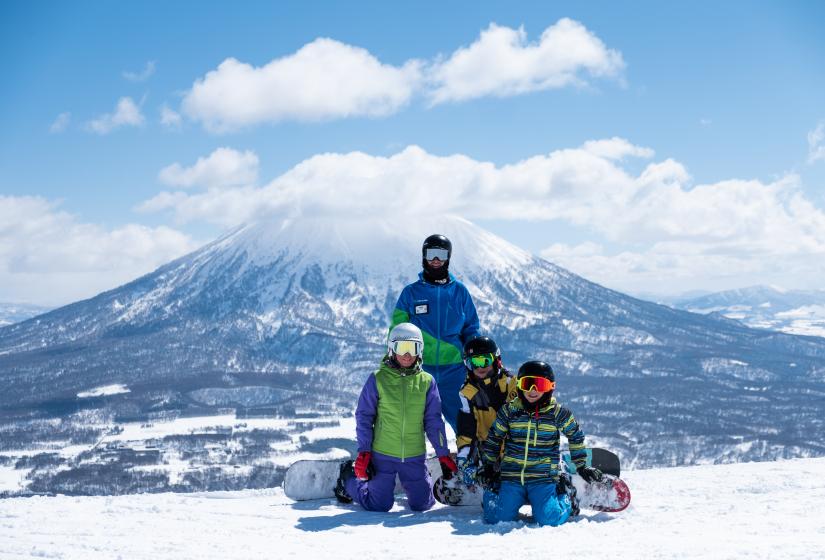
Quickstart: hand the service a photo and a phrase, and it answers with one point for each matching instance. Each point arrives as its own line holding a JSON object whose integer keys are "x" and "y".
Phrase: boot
{"x": 345, "y": 472}
{"x": 565, "y": 486}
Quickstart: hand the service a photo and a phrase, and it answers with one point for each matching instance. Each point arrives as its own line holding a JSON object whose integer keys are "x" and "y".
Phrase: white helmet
{"x": 406, "y": 338}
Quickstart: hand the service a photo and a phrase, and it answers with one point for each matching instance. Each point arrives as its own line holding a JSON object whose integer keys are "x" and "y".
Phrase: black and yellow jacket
{"x": 481, "y": 400}
{"x": 531, "y": 438}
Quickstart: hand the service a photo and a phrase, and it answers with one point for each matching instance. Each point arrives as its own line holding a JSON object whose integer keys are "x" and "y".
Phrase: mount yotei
{"x": 286, "y": 319}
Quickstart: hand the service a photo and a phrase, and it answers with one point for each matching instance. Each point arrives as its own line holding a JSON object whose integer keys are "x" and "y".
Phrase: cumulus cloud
{"x": 222, "y": 168}
{"x": 170, "y": 118}
{"x": 503, "y": 63}
{"x": 661, "y": 221}
{"x": 61, "y": 123}
{"x": 44, "y": 250}
{"x": 587, "y": 186}
{"x": 127, "y": 113}
{"x": 816, "y": 143}
{"x": 327, "y": 79}
{"x": 323, "y": 80}
{"x": 143, "y": 75}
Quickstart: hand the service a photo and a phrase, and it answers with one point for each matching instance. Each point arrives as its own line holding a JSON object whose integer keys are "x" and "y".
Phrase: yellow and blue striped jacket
{"x": 531, "y": 441}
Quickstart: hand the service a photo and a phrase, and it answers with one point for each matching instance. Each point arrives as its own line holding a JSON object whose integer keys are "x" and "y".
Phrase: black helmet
{"x": 439, "y": 246}
{"x": 480, "y": 346}
{"x": 437, "y": 241}
{"x": 536, "y": 368}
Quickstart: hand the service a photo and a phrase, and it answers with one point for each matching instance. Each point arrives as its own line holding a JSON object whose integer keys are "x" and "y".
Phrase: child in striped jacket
{"x": 522, "y": 457}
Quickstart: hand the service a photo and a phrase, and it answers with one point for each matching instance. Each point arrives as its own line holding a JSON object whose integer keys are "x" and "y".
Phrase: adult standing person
{"x": 442, "y": 308}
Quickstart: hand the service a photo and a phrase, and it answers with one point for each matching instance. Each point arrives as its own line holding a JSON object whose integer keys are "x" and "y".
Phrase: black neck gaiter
{"x": 436, "y": 276}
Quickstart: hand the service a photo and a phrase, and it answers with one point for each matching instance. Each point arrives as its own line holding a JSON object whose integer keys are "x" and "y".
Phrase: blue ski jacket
{"x": 446, "y": 315}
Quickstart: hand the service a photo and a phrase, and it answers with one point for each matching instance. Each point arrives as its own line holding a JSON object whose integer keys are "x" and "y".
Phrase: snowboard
{"x": 314, "y": 479}
{"x": 611, "y": 494}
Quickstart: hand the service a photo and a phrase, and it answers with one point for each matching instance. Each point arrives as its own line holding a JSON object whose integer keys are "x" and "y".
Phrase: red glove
{"x": 448, "y": 468}
{"x": 361, "y": 464}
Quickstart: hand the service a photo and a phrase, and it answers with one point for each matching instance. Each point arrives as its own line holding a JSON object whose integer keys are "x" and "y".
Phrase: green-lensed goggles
{"x": 481, "y": 361}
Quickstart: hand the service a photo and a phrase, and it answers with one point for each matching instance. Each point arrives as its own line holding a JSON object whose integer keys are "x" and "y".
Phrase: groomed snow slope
{"x": 751, "y": 510}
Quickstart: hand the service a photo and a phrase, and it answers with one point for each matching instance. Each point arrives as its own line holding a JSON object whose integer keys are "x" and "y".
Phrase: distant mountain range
{"x": 764, "y": 307}
{"x": 280, "y": 318}
{"x": 16, "y": 312}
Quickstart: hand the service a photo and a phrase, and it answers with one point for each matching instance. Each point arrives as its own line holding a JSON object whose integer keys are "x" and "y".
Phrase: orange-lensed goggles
{"x": 541, "y": 384}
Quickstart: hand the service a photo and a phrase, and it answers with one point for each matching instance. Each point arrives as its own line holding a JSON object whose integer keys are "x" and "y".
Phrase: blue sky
{"x": 655, "y": 149}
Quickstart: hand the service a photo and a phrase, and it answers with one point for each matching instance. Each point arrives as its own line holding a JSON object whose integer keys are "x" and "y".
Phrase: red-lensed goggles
{"x": 541, "y": 384}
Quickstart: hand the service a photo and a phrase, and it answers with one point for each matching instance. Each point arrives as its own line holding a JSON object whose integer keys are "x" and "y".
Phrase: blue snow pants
{"x": 548, "y": 507}
{"x": 449, "y": 379}
{"x": 378, "y": 493}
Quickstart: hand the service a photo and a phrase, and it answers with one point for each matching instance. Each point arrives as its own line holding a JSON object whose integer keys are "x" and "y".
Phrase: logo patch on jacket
{"x": 422, "y": 308}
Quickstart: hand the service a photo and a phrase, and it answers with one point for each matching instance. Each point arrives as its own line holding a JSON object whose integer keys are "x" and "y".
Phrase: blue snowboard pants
{"x": 449, "y": 379}
{"x": 378, "y": 493}
{"x": 548, "y": 507}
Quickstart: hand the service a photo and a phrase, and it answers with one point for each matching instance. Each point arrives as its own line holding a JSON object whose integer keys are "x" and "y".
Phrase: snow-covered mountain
{"x": 765, "y": 307}
{"x": 16, "y": 312}
{"x": 280, "y": 318}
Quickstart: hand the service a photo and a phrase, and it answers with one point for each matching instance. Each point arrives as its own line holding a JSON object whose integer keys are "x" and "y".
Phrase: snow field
{"x": 751, "y": 510}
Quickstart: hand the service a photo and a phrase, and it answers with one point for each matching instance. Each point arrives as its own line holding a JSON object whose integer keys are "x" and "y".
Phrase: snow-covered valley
{"x": 749, "y": 510}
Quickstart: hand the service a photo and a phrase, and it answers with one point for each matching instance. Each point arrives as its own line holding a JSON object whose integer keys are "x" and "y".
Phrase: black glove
{"x": 488, "y": 475}
{"x": 590, "y": 474}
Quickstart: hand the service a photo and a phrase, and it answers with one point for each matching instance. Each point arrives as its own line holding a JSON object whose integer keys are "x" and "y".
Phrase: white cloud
{"x": 616, "y": 148}
{"x": 48, "y": 256}
{"x": 323, "y": 80}
{"x": 223, "y": 168}
{"x": 657, "y": 217}
{"x": 127, "y": 113}
{"x": 170, "y": 118}
{"x": 674, "y": 268}
{"x": 327, "y": 79}
{"x": 816, "y": 143}
{"x": 61, "y": 123}
{"x": 503, "y": 63}
{"x": 142, "y": 76}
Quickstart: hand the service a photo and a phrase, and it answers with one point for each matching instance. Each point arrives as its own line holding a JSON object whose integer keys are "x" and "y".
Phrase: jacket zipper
{"x": 403, "y": 416}
{"x": 438, "y": 332}
{"x": 527, "y": 442}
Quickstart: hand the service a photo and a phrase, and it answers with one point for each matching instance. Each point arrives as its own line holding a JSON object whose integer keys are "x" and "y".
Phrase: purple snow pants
{"x": 377, "y": 494}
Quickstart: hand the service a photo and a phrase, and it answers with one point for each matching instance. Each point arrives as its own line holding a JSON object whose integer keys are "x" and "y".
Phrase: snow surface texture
{"x": 116, "y": 389}
{"x": 750, "y": 510}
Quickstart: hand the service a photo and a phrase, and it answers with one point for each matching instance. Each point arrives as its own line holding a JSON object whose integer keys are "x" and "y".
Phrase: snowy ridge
{"x": 765, "y": 307}
{"x": 750, "y": 510}
{"x": 15, "y": 312}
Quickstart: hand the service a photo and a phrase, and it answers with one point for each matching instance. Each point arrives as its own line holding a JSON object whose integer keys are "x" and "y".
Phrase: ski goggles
{"x": 411, "y": 347}
{"x": 435, "y": 253}
{"x": 541, "y": 384}
{"x": 480, "y": 361}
